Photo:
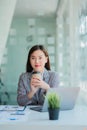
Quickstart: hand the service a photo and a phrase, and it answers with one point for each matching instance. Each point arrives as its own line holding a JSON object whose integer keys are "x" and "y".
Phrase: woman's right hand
{"x": 33, "y": 86}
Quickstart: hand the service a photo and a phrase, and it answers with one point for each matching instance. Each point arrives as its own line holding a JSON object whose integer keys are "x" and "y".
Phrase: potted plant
{"x": 53, "y": 105}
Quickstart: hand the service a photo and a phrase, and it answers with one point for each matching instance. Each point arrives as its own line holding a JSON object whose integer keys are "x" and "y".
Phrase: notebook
{"x": 68, "y": 96}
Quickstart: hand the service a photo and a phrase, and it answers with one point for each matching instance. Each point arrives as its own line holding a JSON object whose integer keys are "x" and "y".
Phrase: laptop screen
{"x": 68, "y": 96}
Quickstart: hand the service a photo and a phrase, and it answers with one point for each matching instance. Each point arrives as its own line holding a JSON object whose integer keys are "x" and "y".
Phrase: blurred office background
{"x": 59, "y": 25}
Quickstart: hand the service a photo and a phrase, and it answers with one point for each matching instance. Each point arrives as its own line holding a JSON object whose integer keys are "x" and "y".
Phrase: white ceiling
{"x": 34, "y": 8}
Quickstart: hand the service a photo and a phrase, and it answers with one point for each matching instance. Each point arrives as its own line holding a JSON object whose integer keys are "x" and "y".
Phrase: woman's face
{"x": 38, "y": 60}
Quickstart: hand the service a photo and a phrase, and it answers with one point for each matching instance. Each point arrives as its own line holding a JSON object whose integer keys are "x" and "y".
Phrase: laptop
{"x": 68, "y": 97}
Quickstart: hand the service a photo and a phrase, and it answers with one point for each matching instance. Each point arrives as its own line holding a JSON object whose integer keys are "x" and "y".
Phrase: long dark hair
{"x": 34, "y": 48}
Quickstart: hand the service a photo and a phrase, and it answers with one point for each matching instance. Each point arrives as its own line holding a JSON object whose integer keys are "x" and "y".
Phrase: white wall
{"x": 6, "y": 13}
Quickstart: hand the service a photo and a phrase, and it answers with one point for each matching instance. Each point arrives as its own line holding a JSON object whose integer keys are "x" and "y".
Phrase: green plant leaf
{"x": 53, "y": 100}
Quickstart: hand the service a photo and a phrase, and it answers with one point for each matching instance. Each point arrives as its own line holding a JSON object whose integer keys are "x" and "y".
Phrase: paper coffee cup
{"x": 36, "y": 74}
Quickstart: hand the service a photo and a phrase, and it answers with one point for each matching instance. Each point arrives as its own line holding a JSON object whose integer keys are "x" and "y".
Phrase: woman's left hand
{"x": 41, "y": 84}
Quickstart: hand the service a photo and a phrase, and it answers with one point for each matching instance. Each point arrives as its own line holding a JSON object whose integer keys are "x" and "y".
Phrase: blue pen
{"x": 12, "y": 119}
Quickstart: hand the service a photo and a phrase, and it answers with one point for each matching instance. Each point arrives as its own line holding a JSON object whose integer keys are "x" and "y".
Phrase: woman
{"x": 31, "y": 89}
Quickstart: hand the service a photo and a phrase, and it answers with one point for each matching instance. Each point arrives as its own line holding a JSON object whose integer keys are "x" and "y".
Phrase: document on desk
{"x": 12, "y": 108}
{"x": 13, "y": 113}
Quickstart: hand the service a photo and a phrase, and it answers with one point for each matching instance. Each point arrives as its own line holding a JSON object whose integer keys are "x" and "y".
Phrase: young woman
{"x": 31, "y": 89}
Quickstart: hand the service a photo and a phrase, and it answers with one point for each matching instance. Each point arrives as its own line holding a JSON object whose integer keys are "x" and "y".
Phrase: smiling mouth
{"x": 37, "y": 65}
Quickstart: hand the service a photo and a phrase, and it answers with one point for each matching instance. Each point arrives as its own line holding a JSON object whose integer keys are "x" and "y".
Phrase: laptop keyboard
{"x": 37, "y": 108}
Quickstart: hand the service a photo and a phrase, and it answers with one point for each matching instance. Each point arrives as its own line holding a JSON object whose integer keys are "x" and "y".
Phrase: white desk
{"x": 75, "y": 119}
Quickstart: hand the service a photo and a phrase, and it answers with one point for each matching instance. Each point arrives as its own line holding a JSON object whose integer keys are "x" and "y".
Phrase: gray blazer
{"x": 49, "y": 77}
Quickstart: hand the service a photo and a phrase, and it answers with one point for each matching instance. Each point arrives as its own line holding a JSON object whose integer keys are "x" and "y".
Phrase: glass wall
{"x": 65, "y": 37}
{"x": 72, "y": 46}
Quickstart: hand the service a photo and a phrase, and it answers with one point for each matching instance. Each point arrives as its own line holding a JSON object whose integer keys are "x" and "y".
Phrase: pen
{"x": 23, "y": 108}
{"x": 12, "y": 119}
